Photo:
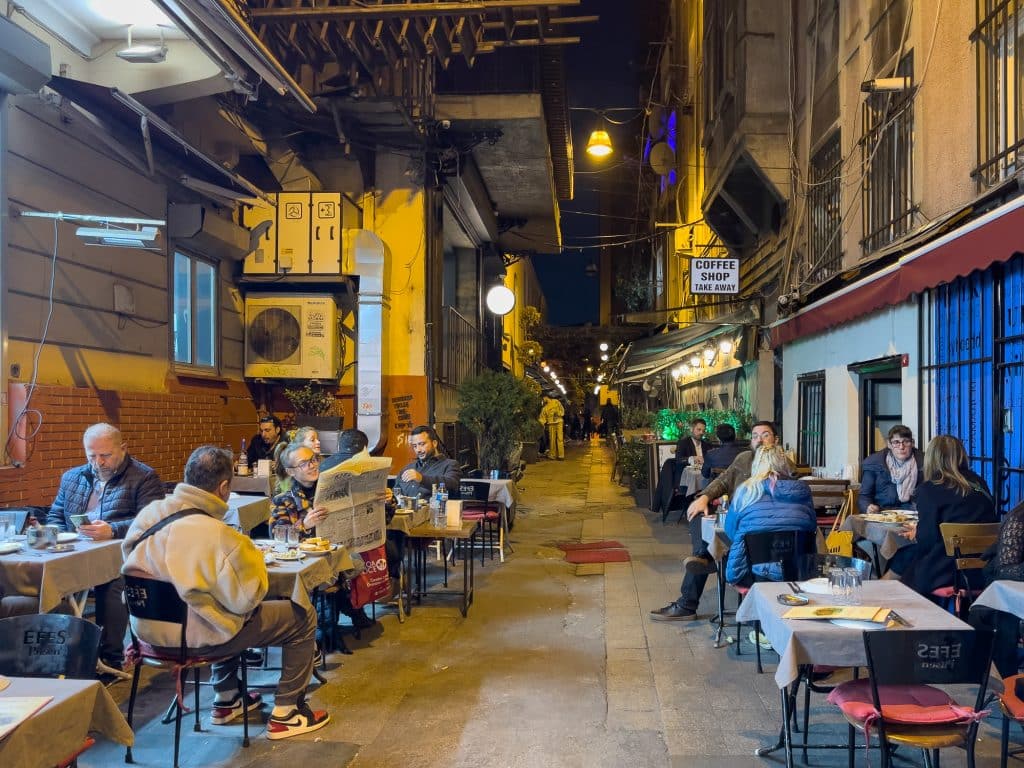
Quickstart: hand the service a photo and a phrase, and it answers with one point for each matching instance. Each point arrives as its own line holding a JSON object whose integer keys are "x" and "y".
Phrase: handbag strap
{"x": 844, "y": 511}
{"x": 165, "y": 522}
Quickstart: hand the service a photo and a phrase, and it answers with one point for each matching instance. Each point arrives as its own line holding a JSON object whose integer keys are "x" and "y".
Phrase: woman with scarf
{"x": 889, "y": 478}
{"x": 950, "y": 493}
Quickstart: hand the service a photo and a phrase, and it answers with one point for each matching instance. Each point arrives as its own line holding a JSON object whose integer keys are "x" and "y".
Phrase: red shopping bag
{"x": 374, "y": 583}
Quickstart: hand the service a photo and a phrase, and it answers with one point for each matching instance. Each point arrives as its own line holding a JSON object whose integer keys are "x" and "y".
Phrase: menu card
{"x": 14, "y": 710}
{"x": 856, "y": 612}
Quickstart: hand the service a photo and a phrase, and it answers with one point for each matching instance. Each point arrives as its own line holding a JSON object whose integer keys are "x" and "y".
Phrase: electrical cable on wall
{"x": 26, "y": 409}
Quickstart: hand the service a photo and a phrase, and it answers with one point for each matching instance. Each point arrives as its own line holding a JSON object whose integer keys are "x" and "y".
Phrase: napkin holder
{"x": 453, "y": 513}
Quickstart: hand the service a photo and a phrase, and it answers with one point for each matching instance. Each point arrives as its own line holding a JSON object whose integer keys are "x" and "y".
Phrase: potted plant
{"x": 314, "y": 407}
{"x": 633, "y": 462}
{"x": 501, "y": 411}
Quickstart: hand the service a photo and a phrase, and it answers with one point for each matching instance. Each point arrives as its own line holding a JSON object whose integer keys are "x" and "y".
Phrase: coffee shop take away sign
{"x": 714, "y": 276}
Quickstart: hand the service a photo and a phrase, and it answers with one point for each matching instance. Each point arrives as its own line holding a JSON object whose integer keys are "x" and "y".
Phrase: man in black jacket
{"x": 265, "y": 442}
{"x": 109, "y": 490}
{"x": 694, "y": 444}
{"x": 430, "y": 468}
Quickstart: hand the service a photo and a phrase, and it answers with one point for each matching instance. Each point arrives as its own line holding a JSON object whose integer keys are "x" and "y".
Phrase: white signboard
{"x": 714, "y": 275}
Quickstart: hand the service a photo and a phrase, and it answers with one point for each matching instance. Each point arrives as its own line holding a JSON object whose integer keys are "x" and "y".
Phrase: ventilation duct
{"x": 368, "y": 253}
{"x": 194, "y": 226}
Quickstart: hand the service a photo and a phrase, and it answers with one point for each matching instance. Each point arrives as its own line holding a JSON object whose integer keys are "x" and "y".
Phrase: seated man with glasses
{"x": 890, "y": 478}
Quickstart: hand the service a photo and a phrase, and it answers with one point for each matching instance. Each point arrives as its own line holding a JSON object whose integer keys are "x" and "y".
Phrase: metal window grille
{"x": 824, "y": 212}
{"x": 999, "y": 42}
{"x": 460, "y": 348}
{"x": 888, "y": 150}
{"x": 811, "y": 419}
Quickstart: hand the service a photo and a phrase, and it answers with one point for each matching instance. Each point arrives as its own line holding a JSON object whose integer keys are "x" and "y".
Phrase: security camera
{"x": 444, "y": 125}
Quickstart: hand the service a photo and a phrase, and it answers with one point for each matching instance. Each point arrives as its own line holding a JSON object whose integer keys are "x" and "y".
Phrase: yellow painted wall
{"x": 400, "y": 222}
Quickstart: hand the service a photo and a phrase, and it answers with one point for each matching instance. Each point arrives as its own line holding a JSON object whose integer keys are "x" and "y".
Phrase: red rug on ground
{"x": 574, "y": 546}
{"x": 597, "y": 556}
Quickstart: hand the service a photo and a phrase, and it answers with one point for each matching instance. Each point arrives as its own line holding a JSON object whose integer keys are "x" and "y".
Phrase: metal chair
{"x": 156, "y": 600}
{"x": 784, "y": 549}
{"x": 49, "y": 645}
{"x": 900, "y": 700}
{"x": 476, "y": 505}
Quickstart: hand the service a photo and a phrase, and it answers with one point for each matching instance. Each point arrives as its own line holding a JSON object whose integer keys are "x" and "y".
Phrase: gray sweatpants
{"x": 276, "y": 624}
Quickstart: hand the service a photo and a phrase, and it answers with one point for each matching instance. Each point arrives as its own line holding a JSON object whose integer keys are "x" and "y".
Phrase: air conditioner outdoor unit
{"x": 291, "y": 336}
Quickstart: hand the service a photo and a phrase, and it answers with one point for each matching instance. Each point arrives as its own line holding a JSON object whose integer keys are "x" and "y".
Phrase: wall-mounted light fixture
{"x": 695, "y": 360}
{"x": 599, "y": 144}
{"x": 603, "y": 346}
{"x": 500, "y": 300}
{"x": 886, "y": 85}
{"x": 725, "y": 346}
{"x": 143, "y": 53}
{"x": 111, "y": 231}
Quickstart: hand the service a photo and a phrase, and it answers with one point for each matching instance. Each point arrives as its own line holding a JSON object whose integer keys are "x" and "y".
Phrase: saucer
{"x": 64, "y": 538}
{"x": 10, "y": 547}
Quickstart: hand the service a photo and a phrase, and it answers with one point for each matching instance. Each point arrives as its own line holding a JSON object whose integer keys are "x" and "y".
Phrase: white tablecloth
{"x": 812, "y": 641}
{"x": 1005, "y": 596}
{"x": 51, "y": 576}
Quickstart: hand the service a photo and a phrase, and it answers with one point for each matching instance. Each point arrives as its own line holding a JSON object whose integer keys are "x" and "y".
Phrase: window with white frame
{"x": 194, "y": 318}
{"x": 998, "y": 38}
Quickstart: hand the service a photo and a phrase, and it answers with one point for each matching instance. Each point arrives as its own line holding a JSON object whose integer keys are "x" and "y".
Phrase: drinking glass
{"x": 281, "y": 537}
{"x": 293, "y": 536}
{"x": 6, "y": 526}
{"x": 854, "y": 586}
{"x": 837, "y": 585}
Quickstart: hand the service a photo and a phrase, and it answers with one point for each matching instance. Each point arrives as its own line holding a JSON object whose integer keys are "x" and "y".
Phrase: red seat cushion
{"x": 742, "y": 590}
{"x": 944, "y": 592}
{"x": 903, "y": 704}
{"x": 1011, "y": 703}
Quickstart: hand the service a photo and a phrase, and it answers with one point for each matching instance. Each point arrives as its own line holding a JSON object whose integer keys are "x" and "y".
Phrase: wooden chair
{"x": 965, "y": 543}
{"x": 1012, "y": 707}
{"x": 157, "y": 600}
{"x": 900, "y": 699}
{"x": 827, "y": 493}
{"x": 785, "y": 549}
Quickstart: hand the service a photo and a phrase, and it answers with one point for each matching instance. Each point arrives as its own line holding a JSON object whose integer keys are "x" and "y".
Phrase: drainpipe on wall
{"x": 371, "y": 316}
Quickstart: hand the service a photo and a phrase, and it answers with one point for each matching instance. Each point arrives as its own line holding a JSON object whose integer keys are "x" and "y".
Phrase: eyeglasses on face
{"x": 312, "y": 461}
{"x": 900, "y": 443}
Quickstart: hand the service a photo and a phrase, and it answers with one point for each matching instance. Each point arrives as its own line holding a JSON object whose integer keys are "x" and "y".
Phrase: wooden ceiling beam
{"x": 554, "y": 21}
{"x": 399, "y": 10}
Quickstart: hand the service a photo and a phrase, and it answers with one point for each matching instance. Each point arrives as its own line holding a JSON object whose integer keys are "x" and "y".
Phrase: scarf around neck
{"x": 904, "y": 475}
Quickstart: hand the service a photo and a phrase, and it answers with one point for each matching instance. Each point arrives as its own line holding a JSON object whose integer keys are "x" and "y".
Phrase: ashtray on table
{"x": 61, "y": 548}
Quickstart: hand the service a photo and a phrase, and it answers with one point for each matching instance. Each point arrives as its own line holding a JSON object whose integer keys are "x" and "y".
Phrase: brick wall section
{"x": 161, "y": 431}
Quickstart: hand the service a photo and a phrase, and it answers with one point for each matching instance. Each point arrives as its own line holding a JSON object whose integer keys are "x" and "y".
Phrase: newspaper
{"x": 353, "y": 493}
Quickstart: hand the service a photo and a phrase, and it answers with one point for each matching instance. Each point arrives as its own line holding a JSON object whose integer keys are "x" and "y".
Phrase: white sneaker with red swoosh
{"x": 300, "y": 720}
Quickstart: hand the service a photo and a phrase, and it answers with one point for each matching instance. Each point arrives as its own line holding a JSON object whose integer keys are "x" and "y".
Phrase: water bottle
{"x": 435, "y": 503}
{"x": 243, "y": 462}
{"x": 442, "y": 495}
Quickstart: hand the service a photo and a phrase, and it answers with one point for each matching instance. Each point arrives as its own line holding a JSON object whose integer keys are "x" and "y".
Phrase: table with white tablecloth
{"x": 1003, "y": 595}
{"x": 803, "y": 642}
{"x": 52, "y": 576}
{"x": 58, "y": 730}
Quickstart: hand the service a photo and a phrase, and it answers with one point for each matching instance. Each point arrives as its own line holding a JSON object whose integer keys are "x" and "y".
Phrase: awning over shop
{"x": 992, "y": 238}
{"x": 145, "y": 139}
{"x": 651, "y": 355}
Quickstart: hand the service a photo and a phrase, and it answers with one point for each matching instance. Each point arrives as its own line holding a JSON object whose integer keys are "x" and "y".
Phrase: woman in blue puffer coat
{"x": 771, "y": 500}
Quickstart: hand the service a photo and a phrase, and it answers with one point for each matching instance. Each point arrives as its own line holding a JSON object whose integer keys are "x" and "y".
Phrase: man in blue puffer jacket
{"x": 769, "y": 501}
{"x": 109, "y": 489}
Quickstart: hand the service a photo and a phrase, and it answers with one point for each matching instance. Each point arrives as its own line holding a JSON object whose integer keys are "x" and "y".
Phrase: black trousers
{"x": 1007, "y": 628}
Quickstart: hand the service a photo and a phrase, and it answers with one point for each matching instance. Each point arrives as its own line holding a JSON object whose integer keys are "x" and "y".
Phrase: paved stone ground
{"x": 549, "y": 669}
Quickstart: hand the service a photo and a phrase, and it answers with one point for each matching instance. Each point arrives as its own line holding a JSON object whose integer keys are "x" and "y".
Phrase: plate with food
{"x": 887, "y": 518}
{"x": 64, "y": 538}
{"x": 289, "y": 556}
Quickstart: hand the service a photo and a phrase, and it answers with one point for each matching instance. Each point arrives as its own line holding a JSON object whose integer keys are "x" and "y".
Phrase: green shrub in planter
{"x": 633, "y": 461}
